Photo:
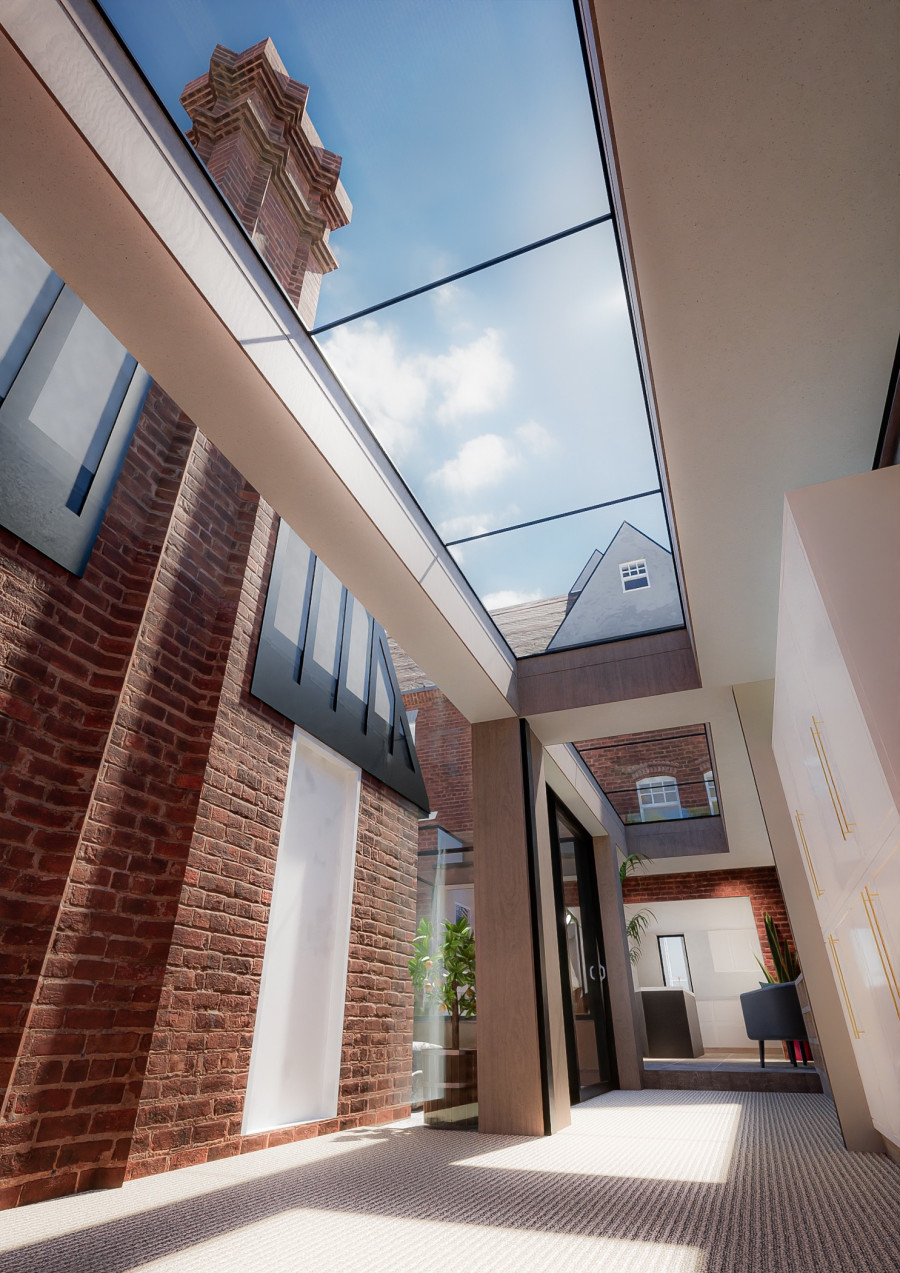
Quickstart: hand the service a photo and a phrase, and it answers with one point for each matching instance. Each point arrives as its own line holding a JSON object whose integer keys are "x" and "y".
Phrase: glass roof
{"x": 512, "y": 395}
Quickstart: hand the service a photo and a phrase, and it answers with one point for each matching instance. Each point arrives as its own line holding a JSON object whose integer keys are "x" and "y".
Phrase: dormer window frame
{"x": 634, "y": 574}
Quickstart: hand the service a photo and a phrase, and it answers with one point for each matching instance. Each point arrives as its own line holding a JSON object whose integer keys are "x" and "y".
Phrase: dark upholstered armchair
{"x": 774, "y": 1012}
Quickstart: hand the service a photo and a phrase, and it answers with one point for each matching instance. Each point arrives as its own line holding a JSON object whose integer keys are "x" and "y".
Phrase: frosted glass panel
{"x": 28, "y": 288}
{"x": 290, "y": 612}
{"x": 383, "y": 703}
{"x": 327, "y": 596}
{"x": 296, "y": 1056}
{"x": 358, "y": 650}
{"x": 82, "y": 394}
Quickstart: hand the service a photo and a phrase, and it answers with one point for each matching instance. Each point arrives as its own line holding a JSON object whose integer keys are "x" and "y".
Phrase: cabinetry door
{"x": 862, "y": 966}
{"x": 831, "y": 851}
{"x": 836, "y": 738}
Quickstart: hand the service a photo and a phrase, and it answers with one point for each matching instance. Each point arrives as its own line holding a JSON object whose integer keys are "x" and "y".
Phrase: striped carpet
{"x": 644, "y": 1182}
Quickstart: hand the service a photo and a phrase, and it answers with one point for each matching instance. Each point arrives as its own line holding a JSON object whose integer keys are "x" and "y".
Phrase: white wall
{"x": 721, "y": 940}
{"x": 296, "y": 1055}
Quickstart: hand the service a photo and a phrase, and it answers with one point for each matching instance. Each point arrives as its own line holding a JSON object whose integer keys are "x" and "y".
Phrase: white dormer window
{"x": 634, "y": 575}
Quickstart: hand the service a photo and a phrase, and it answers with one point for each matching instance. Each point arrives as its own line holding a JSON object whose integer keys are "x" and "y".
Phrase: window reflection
{"x": 629, "y": 769}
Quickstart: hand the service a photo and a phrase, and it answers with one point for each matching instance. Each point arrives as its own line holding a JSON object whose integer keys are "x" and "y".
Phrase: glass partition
{"x": 442, "y": 967}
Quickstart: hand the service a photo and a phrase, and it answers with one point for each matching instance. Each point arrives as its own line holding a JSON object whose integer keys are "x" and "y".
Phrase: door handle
{"x": 601, "y": 970}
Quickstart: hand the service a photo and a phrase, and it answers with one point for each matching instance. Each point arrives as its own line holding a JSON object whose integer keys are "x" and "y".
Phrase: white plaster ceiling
{"x": 758, "y": 149}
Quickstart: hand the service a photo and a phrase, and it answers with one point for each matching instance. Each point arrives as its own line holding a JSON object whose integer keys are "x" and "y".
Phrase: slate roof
{"x": 527, "y": 627}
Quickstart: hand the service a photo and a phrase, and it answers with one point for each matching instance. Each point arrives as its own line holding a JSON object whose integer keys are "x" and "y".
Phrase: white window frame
{"x": 634, "y": 570}
{"x": 650, "y": 789}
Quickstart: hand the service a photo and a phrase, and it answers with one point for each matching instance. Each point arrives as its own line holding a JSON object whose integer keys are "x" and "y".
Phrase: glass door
{"x": 585, "y": 988}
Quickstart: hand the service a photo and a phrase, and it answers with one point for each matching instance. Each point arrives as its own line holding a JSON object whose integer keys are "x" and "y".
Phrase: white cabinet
{"x": 834, "y": 777}
{"x": 864, "y": 949}
{"x": 831, "y": 849}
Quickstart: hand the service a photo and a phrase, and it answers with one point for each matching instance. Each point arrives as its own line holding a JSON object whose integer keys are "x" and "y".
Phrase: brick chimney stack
{"x": 251, "y": 129}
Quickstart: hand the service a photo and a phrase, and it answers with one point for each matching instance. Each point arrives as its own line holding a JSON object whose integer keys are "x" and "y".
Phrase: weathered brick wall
{"x": 444, "y": 748}
{"x": 65, "y": 646}
{"x": 760, "y": 884}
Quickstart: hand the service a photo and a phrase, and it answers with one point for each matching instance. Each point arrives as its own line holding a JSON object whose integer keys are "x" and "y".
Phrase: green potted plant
{"x": 457, "y": 960}
{"x": 784, "y": 957}
{"x": 637, "y": 926}
{"x": 444, "y": 976}
{"x": 787, "y": 968}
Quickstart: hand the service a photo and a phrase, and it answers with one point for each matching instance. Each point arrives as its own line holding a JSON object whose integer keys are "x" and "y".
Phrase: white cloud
{"x": 508, "y": 597}
{"x": 446, "y": 297}
{"x": 482, "y": 461}
{"x": 535, "y": 438}
{"x": 611, "y": 303}
{"x": 399, "y": 392}
{"x": 465, "y": 525}
{"x": 390, "y": 388}
{"x": 471, "y": 378}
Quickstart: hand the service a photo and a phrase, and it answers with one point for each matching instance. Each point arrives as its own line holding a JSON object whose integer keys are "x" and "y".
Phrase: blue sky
{"x": 466, "y": 130}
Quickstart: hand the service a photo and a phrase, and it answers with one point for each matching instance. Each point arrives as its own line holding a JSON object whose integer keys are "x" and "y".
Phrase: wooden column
{"x": 522, "y": 1075}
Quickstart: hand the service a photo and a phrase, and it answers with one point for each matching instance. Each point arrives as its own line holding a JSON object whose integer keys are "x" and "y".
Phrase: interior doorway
{"x": 589, "y": 1037}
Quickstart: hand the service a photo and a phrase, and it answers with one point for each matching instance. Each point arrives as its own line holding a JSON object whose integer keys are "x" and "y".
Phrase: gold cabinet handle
{"x": 857, "y": 1033}
{"x": 798, "y": 818}
{"x": 845, "y": 826}
{"x": 868, "y": 901}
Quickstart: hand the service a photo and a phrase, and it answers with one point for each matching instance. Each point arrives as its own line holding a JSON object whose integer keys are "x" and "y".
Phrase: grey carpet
{"x": 649, "y": 1182}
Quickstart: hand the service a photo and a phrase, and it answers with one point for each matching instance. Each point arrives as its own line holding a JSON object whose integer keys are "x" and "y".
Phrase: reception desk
{"x": 673, "y": 1028}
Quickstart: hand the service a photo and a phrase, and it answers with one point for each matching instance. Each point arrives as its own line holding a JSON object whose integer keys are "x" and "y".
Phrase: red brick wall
{"x": 157, "y": 947}
{"x": 618, "y": 764}
{"x": 65, "y": 646}
{"x": 95, "y": 1004}
{"x": 192, "y": 1100}
{"x": 444, "y": 748}
{"x": 760, "y": 884}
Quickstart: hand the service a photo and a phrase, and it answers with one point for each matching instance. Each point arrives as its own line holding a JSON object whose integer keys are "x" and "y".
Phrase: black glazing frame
{"x": 589, "y": 903}
{"x": 188, "y": 149}
{"x": 47, "y": 498}
{"x": 286, "y": 677}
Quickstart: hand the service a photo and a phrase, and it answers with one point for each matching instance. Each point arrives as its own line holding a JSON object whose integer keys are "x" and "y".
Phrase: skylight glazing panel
{"x": 511, "y": 395}
{"x": 511, "y": 399}
{"x": 529, "y": 579}
{"x": 465, "y": 129}
{"x": 657, "y": 776}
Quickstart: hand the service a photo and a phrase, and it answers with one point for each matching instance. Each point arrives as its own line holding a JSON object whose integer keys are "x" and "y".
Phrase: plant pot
{"x": 451, "y": 1087}
{"x": 802, "y": 1050}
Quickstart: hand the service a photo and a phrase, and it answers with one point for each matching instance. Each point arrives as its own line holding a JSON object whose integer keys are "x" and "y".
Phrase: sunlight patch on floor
{"x": 81, "y": 1211}
{"x": 663, "y": 1142}
{"x": 338, "y": 1242}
